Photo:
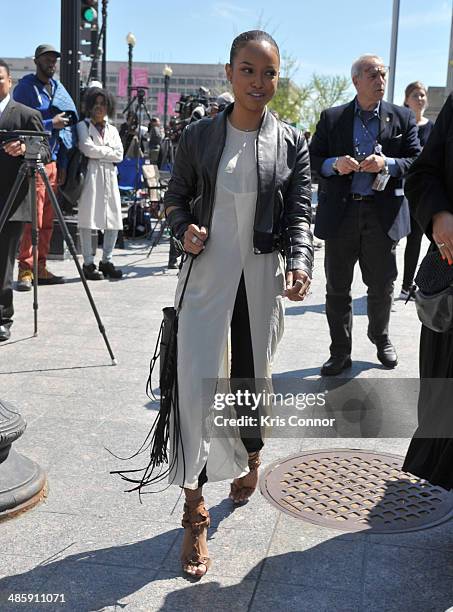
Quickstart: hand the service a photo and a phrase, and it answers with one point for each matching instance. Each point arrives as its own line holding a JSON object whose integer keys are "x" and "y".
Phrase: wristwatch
{"x": 334, "y": 166}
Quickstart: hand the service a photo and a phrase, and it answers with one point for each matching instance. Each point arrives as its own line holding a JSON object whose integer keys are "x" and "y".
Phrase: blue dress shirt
{"x": 366, "y": 129}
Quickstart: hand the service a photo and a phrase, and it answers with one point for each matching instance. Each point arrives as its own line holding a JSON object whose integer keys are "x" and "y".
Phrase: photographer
{"x": 128, "y": 130}
{"x": 47, "y": 95}
{"x": 13, "y": 116}
{"x": 155, "y": 137}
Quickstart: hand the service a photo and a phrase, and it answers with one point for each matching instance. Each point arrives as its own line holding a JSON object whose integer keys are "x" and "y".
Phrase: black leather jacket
{"x": 283, "y": 209}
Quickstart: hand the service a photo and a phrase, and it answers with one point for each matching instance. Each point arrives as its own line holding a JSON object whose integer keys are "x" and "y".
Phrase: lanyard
{"x": 375, "y": 144}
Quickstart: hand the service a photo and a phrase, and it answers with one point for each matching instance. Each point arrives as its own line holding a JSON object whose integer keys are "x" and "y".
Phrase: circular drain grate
{"x": 354, "y": 490}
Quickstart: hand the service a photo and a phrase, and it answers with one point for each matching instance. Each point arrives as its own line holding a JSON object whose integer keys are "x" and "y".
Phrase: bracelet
{"x": 179, "y": 220}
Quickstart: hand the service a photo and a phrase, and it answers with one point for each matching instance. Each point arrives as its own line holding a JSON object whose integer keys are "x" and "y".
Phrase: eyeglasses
{"x": 374, "y": 71}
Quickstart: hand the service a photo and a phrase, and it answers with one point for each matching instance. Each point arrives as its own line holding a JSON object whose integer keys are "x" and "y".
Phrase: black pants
{"x": 242, "y": 367}
{"x": 411, "y": 254}
{"x": 360, "y": 238}
{"x": 9, "y": 241}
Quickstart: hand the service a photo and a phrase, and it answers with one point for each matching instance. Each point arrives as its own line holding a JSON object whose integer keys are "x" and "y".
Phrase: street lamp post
{"x": 167, "y": 72}
{"x": 23, "y": 483}
{"x": 70, "y": 59}
{"x": 450, "y": 62}
{"x": 131, "y": 40}
{"x": 393, "y": 50}
{"x": 104, "y": 43}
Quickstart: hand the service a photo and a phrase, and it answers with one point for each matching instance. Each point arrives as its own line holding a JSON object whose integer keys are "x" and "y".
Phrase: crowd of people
{"x": 239, "y": 207}
{"x": 99, "y": 205}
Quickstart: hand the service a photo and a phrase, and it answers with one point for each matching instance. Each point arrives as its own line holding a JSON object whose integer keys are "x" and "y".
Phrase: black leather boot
{"x": 109, "y": 270}
{"x": 92, "y": 273}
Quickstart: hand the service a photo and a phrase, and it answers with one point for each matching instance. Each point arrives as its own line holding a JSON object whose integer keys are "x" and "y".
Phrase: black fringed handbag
{"x": 167, "y": 422}
{"x": 434, "y": 296}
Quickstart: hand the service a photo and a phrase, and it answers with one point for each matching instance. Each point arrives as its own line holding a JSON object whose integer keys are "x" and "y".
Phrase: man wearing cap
{"x": 47, "y": 95}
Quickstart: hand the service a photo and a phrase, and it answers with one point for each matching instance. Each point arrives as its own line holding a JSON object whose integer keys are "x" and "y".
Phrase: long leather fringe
{"x": 167, "y": 423}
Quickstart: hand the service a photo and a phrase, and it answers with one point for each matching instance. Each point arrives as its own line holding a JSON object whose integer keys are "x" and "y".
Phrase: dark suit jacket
{"x": 334, "y": 137}
{"x": 17, "y": 117}
{"x": 429, "y": 184}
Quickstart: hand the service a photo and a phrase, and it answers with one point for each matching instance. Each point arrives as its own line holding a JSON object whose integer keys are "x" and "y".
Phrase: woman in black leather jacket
{"x": 238, "y": 202}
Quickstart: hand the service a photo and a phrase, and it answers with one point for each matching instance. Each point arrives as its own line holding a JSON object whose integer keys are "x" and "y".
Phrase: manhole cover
{"x": 354, "y": 490}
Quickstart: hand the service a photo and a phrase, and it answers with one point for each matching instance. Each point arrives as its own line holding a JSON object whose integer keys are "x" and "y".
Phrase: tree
{"x": 325, "y": 91}
{"x": 290, "y": 98}
{"x": 301, "y": 105}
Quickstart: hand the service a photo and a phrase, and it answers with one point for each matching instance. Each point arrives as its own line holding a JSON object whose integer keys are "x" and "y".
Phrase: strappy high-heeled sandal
{"x": 196, "y": 518}
{"x": 244, "y": 491}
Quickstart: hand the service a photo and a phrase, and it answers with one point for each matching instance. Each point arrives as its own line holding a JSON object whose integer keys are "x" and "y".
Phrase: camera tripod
{"x": 28, "y": 171}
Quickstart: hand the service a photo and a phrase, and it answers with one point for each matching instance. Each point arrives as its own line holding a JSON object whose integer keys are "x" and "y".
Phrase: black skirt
{"x": 432, "y": 458}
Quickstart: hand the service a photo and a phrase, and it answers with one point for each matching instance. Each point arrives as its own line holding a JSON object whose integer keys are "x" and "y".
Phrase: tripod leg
{"x": 71, "y": 247}
{"x": 12, "y": 196}
{"x": 160, "y": 234}
{"x": 150, "y": 235}
{"x": 163, "y": 225}
{"x": 34, "y": 244}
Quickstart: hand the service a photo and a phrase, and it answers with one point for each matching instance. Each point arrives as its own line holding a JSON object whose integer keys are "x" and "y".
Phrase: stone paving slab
{"x": 105, "y": 550}
{"x": 403, "y": 578}
{"x": 282, "y": 597}
{"x": 172, "y": 593}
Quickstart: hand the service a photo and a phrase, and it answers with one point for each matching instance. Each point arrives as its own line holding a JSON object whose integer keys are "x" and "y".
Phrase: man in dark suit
{"x": 361, "y": 151}
{"x": 13, "y": 116}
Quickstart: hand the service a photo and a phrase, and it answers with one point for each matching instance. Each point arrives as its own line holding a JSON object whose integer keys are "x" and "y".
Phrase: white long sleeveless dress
{"x": 205, "y": 318}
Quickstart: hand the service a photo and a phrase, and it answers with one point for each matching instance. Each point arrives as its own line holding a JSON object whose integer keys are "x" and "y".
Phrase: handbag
{"x": 167, "y": 422}
{"x": 434, "y": 295}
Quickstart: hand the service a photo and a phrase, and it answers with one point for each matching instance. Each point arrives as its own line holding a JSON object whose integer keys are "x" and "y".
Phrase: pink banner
{"x": 139, "y": 79}
{"x": 172, "y": 99}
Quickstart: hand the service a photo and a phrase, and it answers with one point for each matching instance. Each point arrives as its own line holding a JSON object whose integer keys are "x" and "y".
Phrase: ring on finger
{"x": 300, "y": 282}
{"x": 440, "y": 244}
{"x": 194, "y": 240}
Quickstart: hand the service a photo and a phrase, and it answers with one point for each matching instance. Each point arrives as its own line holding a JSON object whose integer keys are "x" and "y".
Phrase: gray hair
{"x": 356, "y": 68}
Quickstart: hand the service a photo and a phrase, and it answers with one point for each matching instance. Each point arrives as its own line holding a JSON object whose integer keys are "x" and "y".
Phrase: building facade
{"x": 436, "y": 98}
{"x": 186, "y": 79}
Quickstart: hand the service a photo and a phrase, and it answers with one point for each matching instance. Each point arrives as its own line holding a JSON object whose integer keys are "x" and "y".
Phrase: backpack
{"x": 75, "y": 175}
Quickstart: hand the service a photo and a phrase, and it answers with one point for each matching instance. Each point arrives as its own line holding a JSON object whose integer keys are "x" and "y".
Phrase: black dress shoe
{"x": 336, "y": 365}
{"x": 386, "y": 352}
{"x": 92, "y": 273}
{"x": 109, "y": 270}
{"x": 5, "y": 334}
{"x": 46, "y": 277}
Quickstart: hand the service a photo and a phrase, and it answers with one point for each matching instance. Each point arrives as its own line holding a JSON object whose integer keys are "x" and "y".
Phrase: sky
{"x": 324, "y": 36}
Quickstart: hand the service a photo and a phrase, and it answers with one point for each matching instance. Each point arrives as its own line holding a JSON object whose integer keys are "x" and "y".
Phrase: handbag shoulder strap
{"x": 185, "y": 285}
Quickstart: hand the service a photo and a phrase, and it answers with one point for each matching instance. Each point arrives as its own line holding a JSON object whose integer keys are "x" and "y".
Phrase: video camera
{"x": 187, "y": 104}
{"x": 33, "y": 140}
{"x": 190, "y": 108}
{"x": 140, "y": 92}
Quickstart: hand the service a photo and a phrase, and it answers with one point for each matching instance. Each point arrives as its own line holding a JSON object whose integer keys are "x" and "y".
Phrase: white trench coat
{"x": 99, "y": 205}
